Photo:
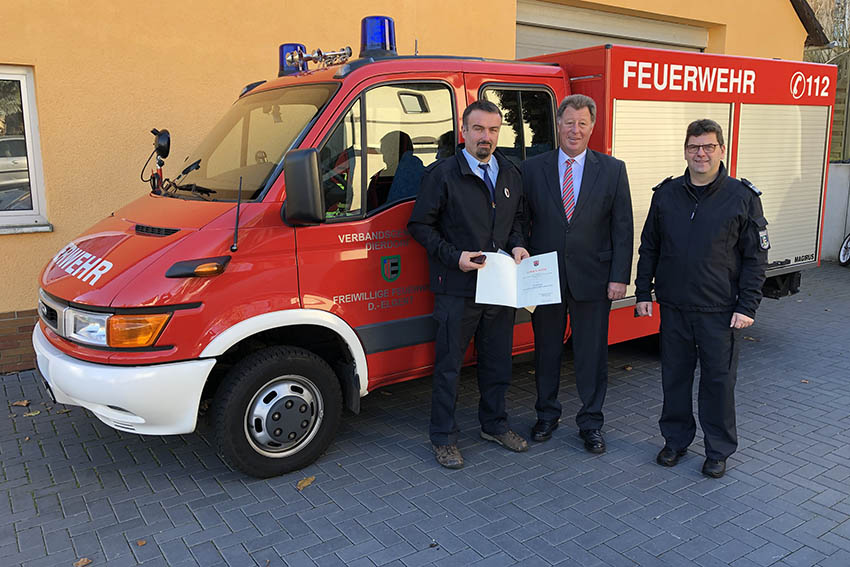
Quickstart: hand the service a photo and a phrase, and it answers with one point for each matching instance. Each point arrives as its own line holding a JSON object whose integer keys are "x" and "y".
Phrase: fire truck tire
{"x": 276, "y": 411}
{"x": 844, "y": 252}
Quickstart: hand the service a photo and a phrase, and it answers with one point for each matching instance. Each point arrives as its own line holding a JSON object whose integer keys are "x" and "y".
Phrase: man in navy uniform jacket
{"x": 704, "y": 251}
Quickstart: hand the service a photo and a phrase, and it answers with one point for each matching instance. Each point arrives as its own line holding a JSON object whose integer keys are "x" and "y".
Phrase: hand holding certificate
{"x": 534, "y": 281}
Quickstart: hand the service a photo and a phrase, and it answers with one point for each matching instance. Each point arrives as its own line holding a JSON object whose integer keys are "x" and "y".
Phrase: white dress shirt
{"x": 473, "y": 165}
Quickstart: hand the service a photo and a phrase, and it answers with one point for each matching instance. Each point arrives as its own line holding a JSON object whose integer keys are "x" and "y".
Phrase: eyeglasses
{"x": 695, "y": 148}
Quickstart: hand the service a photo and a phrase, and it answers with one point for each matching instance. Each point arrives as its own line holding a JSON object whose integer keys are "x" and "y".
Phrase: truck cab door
{"x": 361, "y": 264}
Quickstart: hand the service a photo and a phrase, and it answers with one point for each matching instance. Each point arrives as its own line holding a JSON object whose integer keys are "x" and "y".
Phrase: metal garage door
{"x": 544, "y": 27}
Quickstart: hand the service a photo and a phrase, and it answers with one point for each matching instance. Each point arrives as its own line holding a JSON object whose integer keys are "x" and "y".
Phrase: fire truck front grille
{"x": 49, "y": 315}
{"x": 146, "y": 230}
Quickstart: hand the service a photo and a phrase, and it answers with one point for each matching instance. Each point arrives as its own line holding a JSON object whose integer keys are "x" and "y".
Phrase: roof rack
{"x": 351, "y": 66}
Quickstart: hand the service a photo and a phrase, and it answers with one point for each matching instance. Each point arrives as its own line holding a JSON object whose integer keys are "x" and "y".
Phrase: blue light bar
{"x": 287, "y": 68}
{"x": 377, "y": 36}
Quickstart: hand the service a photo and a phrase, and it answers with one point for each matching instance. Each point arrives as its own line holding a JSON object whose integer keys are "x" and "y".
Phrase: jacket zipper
{"x": 492, "y": 212}
{"x": 696, "y": 201}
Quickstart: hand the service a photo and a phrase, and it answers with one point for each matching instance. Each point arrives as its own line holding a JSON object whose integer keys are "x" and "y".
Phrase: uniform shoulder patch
{"x": 750, "y": 186}
{"x": 657, "y": 187}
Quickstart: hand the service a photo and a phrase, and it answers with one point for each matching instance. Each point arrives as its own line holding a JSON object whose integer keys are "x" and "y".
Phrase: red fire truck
{"x": 274, "y": 275}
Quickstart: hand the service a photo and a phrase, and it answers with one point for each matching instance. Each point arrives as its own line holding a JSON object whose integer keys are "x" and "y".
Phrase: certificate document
{"x": 534, "y": 281}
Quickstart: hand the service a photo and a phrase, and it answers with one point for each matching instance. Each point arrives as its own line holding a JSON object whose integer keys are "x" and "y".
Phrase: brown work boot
{"x": 448, "y": 456}
{"x": 509, "y": 440}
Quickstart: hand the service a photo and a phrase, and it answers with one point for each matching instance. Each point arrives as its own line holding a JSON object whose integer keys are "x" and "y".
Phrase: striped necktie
{"x": 567, "y": 190}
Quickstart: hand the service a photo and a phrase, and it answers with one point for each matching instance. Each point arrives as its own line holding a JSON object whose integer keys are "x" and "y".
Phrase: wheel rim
{"x": 284, "y": 416}
{"x": 844, "y": 254}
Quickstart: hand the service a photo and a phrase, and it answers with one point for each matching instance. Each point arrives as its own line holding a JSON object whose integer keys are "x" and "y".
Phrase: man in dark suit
{"x": 578, "y": 204}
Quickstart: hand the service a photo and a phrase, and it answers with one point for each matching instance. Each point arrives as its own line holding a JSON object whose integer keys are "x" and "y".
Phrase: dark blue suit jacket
{"x": 596, "y": 246}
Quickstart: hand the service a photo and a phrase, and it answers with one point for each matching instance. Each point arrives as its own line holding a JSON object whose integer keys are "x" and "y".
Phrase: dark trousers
{"x": 589, "y": 324}
{"x": 685, "y": 337}
{"x": 458, "y": 319}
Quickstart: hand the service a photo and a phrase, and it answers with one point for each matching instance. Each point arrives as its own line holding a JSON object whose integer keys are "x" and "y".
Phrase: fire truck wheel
{"x": 276, "y": 411}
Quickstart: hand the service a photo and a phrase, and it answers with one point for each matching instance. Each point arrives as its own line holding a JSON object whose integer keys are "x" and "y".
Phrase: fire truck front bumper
{"x": 159, "y": 399}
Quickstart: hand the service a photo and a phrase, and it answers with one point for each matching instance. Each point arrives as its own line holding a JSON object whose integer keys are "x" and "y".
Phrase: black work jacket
{"x": 453, "y": 213}
{"x": 704, "y": 250}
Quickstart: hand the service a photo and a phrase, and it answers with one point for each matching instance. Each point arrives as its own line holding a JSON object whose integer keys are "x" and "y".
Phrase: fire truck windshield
{"x": 249, "y": 142}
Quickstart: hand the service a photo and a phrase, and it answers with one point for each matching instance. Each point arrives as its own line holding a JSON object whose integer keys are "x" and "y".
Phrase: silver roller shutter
{"x": 545, "y": 27}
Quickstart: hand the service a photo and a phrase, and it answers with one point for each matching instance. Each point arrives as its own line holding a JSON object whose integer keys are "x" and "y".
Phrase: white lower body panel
{"x": 160, "y": 399}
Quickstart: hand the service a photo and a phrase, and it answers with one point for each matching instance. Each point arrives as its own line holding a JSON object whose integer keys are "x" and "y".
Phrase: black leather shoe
{"x": 668, "y": 457}
{"x": 543, "y": 430}
{"x": 593, "y": 440}
{"x": 714, "y": 468}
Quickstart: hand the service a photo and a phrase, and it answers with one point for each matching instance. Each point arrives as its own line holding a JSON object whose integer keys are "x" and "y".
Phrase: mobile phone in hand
{"x": 478, "y": 259}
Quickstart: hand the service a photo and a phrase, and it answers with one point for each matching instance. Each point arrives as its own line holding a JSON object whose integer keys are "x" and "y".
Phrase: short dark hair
{"x": 577, "y": 102}
{"x": 704, "y": 126}
{"x": 484, "y": 105}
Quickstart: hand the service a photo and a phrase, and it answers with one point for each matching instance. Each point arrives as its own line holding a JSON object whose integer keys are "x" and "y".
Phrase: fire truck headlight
{"x": 86, "y": 327}
{"x": 125, "y": 331}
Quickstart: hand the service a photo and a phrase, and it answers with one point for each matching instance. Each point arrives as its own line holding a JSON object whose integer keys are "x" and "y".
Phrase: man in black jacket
{"x": 579, "y": 205}
{"x": 705, "y": 246}
{"x": 469, "y": 204}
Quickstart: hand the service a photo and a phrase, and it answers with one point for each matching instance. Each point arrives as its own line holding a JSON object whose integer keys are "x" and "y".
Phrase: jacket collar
{"x": 588, "y": 181}
{"x": 718, "y": 182}
{"x": 504, "y": 163}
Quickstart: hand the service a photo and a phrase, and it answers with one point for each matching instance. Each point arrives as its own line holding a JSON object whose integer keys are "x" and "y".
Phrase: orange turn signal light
{"x": 125, "y": 331}
{"x": 209, "y": 269}
{"x": 200, "y": 267}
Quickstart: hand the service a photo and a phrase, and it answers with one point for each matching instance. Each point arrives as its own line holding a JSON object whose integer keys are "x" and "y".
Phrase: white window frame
{"x": 35, "y": 219}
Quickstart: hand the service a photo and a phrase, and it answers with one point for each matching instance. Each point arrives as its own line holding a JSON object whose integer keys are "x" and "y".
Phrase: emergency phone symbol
{"x": 390, "y": 267}
{"x": 798, "y": 85}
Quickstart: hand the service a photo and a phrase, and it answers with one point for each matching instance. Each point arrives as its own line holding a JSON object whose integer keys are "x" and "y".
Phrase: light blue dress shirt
{"x": 578, "y": 172}
{"x": 473, "y": 165}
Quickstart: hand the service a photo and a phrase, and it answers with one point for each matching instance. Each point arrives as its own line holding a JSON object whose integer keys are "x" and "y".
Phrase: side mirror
{"x": 162, "y": 142}
{"x": 305, "y": 200}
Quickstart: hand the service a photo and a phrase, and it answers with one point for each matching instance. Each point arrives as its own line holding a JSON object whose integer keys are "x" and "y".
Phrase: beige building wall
{"x": 107, "y": 71}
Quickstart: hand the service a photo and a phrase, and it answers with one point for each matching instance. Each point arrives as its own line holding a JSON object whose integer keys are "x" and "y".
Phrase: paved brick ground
{"x": 73, "y": 488}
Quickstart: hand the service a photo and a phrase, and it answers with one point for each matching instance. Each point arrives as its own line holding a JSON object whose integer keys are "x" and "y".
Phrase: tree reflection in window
{"x": 528, "y": 125}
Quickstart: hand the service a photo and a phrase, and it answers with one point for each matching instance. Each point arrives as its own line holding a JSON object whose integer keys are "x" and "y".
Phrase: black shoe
{"x": 715, "y": 468}
{"x": 543, "y": 430}
{"x": 593, "y": 440}
{"x": 668, "y": 457}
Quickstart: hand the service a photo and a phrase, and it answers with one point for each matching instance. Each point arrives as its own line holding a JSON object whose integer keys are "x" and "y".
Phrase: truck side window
{"x": 341, "y": 165}
{"x": 528, "y": 125}
{"x": 408, "y": 126}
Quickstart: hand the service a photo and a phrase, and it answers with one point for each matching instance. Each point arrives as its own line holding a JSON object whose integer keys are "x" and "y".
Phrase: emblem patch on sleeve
{"x": 764, "y": 241}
